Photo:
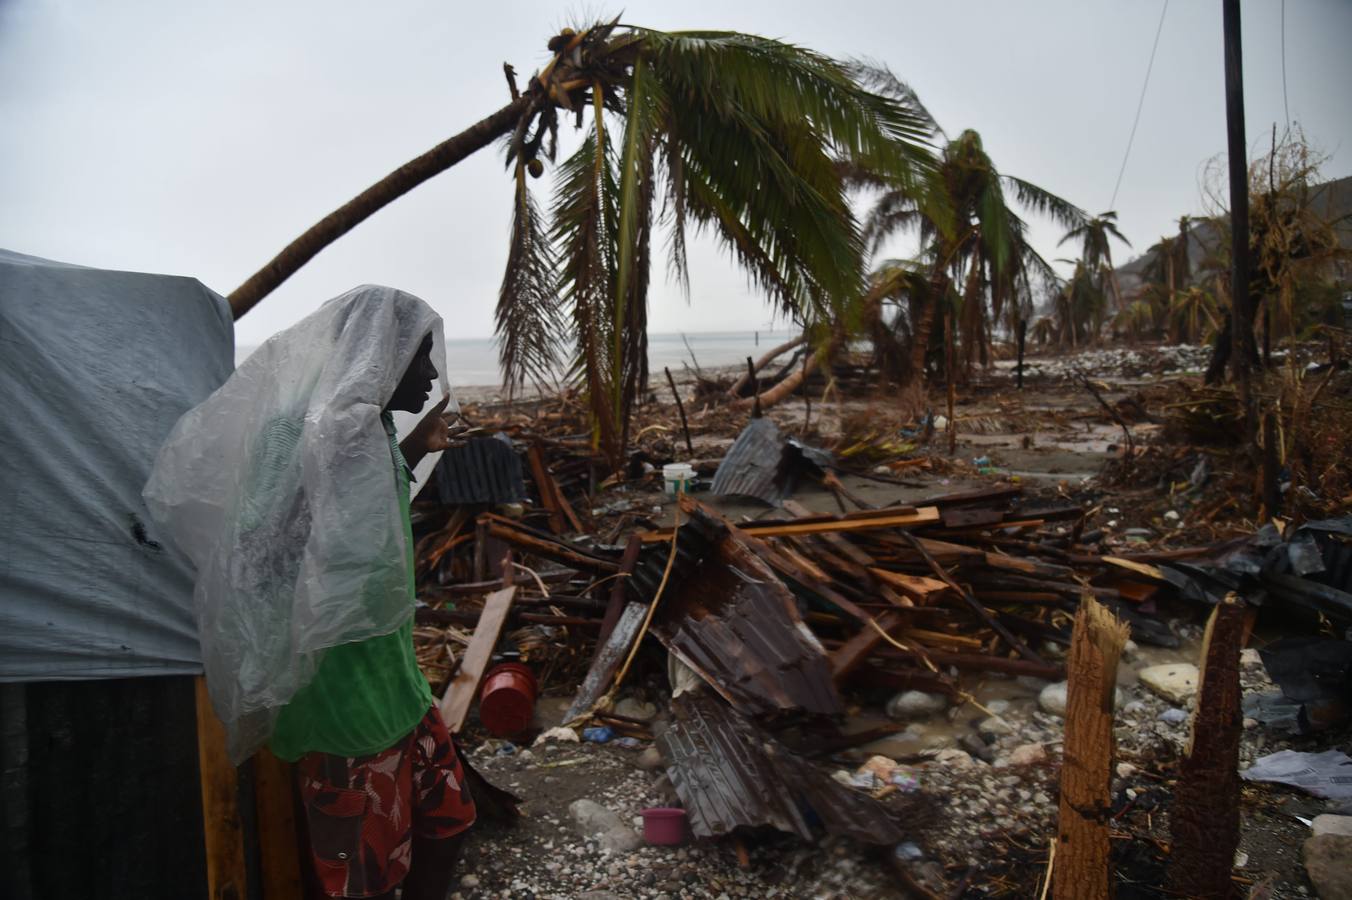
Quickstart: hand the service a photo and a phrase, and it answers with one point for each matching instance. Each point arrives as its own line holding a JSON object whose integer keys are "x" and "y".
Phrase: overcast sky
{"x": 198, "y": 139}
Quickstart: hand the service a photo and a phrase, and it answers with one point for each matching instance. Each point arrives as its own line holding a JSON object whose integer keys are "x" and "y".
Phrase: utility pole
{"x": 1241, "y": 335}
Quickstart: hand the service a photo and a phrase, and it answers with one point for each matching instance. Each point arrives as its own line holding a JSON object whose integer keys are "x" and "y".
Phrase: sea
{"x": 474, "y": 362}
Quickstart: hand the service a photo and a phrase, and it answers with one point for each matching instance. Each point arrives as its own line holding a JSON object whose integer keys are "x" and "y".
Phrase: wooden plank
{"x": 607, "y": 661}
{"x": 462, "y": 689}
{"x": 278, "y": 847}
{"x": 926, "y": 515}
{"x": 222, "y": 830}
{"x": 919, "y": 588}
{"x": 848, "y": 656}
{"x": 551, "y": 549}
{"x": 548, "y": 488}
{"x": 618, "y": 589}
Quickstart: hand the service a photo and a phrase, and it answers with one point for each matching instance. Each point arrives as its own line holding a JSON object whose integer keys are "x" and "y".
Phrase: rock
{"x": 1125, "y": 770}
{"x": 1053, "y": 699}
{"x": 879, "y": 766}
{"x": 1249, "y": 658}
{"x": 1134, "y": 707}
{"x": 1174, "y": 716}
{"x": 1175, "y": 682}
{"x": 956, "y": 759}
{"x": 567, "y": 735}
{"x": 974, "y": 745}
{"x": 605, "y": 826}
{"x": 916, "y": 705}
{"x": 469, "y": 881}
{"x": 1027, "y": 755}
{"x": 1327, "y": 824}
{"x": 994, "y": 725}
{"x": 998, "y": 707}
{"x": 635, "y": 709}
{"x": 650, "y": 760}
{"x": 1326, "y": 862}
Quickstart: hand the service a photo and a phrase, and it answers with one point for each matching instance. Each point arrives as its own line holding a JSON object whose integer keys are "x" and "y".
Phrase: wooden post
{"x": 279, "y": 848}
{"x": 1083, "y": 861}
{"x": 680, "y": 408}
{"x": 1204, "y": 818}
{"x": 223, "y": 832}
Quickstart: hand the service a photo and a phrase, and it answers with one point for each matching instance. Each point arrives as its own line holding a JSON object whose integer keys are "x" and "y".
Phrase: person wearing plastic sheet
{"x": 306, "y": 584}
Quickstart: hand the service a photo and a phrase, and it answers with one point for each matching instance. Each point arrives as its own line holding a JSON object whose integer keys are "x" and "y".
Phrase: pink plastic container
{"x": 663, "y": 825}
{"x": 507, "y": 700}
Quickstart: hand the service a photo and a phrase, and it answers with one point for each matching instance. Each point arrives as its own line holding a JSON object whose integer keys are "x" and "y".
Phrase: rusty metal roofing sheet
{"x": 482, "y": 470}
{"x": 729, "y": 617}
{"x": 763, "y": 464}
{"x": 729, "y": 774}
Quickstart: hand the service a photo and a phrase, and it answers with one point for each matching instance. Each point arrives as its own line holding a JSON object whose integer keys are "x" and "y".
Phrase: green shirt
{"x": 368, "y": 694}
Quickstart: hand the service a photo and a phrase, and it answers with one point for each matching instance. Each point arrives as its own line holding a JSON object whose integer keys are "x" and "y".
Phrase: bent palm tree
{"x": 731, "y": 132}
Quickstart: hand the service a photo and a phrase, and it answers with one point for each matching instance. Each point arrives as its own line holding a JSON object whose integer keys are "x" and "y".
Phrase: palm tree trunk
{"x": 923, "y": 326}
{"x": 790, "y": 383}
{"x": 359, "y": 208}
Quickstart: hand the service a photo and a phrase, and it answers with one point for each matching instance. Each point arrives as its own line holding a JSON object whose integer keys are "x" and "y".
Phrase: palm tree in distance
{"x": 737, "y": 134}
{"x": 970, "y": 236}
{"x": 1096, "y": 252}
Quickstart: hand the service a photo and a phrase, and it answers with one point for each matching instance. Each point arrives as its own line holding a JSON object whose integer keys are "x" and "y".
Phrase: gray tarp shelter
{"x": 95, "y": 368}
{"x": 99, "y": 781}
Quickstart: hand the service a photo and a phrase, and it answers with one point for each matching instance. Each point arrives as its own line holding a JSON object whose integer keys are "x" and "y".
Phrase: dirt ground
{"x": 980, "y": 822}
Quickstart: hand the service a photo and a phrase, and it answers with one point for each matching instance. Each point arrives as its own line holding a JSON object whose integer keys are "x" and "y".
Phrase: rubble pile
{"x": 758, "y": 663}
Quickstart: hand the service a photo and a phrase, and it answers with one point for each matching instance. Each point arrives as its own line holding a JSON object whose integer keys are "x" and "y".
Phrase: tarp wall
{"x": 96, "y": 367}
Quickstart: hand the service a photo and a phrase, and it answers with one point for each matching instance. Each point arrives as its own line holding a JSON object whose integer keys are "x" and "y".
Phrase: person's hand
{"x": 431, "y": 435}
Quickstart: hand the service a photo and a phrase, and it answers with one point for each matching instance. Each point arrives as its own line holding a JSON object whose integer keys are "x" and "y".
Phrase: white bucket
{"x": 677, "y": 477}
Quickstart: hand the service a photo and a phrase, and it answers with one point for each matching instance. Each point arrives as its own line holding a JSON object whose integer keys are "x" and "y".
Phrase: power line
{"x": 1112, "y": 204}
{"x": 1285, "y": 107}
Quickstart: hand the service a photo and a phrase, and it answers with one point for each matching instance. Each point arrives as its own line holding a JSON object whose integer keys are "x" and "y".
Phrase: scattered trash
{"x": 1327, "y": 774}
{"x": 601, "y": 734}
{"x": 664, "y": 825}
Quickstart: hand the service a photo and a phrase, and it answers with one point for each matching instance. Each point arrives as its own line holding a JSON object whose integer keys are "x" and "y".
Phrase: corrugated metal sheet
{"x": 482, "y": 470}
{"x": 727, "y": 616}
{"x": 728, "y": 774}
{"x": 762, "y": 463}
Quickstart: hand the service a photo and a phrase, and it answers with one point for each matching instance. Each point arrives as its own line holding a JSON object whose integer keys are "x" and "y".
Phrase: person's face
{"x": 416, "y": 386}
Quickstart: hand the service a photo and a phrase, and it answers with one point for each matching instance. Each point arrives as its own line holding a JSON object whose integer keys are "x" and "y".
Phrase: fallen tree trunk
{"x": 737, "y": 386}
{"x": 784, "y": 389}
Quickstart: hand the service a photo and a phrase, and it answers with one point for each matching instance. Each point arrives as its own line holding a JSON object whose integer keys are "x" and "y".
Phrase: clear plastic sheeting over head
{"x": 279, "y": 489}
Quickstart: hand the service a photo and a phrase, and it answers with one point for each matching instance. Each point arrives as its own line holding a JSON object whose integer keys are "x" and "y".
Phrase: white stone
{"x": 957, "y": 759}
{"x": 1125, "y": 770}
{"x": 1053, "y": 699}
{"x": 1330, "y": 824}
{"x": 469, "y": 881}
{"x": 1027, "y": 755}
{"x": 1249, "y": 658}
{"x": 916, "y": 705}
{"x": 1176, "y": 682}
{"x": 605, "y": 826}
{"x": 635, "y": 709}
{"x": 995, "y": 725}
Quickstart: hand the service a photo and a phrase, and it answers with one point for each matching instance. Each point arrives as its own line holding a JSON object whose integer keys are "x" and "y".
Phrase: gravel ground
{"x": 982, "y": 825}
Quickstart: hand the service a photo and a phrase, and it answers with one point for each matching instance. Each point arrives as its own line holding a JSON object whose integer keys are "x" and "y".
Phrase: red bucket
{"x": 663, "y": 825}
{"x": 507, "y": 701}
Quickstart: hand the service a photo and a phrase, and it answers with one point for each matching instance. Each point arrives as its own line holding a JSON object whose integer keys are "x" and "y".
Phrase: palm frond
{"x": 1044, "y": 202}
{"x": 529, "y": 326}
